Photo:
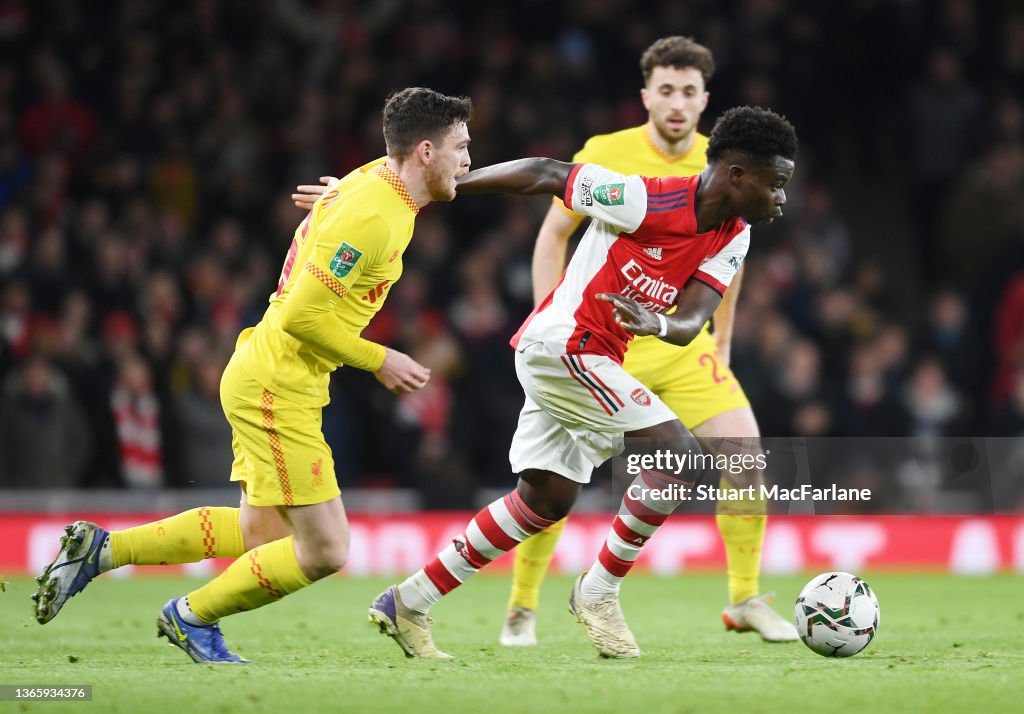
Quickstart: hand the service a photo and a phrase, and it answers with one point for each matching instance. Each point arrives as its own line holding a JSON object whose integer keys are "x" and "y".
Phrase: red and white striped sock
{"x": 638, "y": 518}
{"x": 495, "y": 530}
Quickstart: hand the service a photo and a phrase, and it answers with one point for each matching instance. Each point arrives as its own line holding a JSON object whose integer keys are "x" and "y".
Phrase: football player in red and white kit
{"x": 654, "y": 243}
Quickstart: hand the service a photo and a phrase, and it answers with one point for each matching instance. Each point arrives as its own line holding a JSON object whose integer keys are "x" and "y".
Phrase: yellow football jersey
{"x": 631, "y": 151}
{"x": 343, "y": 260}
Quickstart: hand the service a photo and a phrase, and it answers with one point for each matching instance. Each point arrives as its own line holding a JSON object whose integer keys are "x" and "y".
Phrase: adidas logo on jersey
{"x": 653, "y": 252}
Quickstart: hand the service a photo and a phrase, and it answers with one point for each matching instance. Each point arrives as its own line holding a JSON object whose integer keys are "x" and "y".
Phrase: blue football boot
{"x": 203, "y": 643}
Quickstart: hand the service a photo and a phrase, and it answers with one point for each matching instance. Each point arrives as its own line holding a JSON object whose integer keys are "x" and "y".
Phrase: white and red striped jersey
{"x": 642, "y": 243}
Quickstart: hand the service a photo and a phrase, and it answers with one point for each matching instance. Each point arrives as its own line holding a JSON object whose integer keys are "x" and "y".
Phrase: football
{"x": 837, "y": 614}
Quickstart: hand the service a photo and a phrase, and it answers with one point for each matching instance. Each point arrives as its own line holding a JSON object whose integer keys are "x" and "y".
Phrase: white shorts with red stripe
{"x": 577, "y": 409}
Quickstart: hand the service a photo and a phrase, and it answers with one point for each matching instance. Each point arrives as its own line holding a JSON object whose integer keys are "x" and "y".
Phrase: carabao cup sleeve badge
{"x": 344, "y": 260}
{"x": 610, "y": 194}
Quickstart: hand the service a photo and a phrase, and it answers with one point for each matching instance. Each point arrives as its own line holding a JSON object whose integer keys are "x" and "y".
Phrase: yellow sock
{"x": 741, "y": 525}
{"x": 185, "y": 538}
{"x": 263, "y": 575}
{"x": 533, "y": 556}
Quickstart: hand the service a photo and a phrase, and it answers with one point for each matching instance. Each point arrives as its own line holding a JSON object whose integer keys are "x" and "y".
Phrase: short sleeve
{"x": 606, "y": 195}
{"x": 717, "y": 271}
{"x": 588, "y": 154}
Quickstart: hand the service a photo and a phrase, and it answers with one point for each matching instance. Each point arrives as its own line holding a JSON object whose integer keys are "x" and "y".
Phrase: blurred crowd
{"x": 148, "y": 150}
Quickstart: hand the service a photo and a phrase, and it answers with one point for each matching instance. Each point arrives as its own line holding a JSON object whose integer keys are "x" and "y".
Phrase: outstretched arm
{"x": 724, "y": 317}
{"x": 549, "y": 250}
{"x": 694, "y": 308}
{"x": 526, "y": 177}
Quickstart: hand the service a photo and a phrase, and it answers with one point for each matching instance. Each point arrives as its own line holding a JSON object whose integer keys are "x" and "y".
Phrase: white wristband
{"x": 664, "y": 324}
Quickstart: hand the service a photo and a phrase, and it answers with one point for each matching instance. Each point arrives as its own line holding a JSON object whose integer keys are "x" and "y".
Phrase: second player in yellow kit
{"x": 694, "y": 381}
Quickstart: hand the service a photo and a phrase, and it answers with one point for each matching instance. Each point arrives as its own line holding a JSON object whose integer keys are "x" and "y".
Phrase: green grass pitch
{"x": 945, "y": 644}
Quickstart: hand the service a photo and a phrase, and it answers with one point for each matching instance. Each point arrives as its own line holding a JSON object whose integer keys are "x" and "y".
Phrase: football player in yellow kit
{"x": 290, "y": 528}
{"x": 694, "y": 381}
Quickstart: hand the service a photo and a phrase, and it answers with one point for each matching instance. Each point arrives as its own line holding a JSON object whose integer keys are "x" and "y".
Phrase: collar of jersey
{"x": 664, "y": 155}
{"x": 395, "y": 182}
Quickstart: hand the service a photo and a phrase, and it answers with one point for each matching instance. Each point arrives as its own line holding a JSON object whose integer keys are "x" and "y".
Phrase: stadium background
{"x": 147, "y": 151}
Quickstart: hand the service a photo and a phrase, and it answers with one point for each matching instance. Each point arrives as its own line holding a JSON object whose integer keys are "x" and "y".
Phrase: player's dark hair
{"x": 678, "y": 52}
{"x": 417, "y": 113}
{"x": 759, "y": 134}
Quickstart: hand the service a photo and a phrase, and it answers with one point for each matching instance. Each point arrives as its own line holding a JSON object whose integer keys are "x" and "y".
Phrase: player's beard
{"x": 671, "y": 135}
{"x": 439, "y": 183}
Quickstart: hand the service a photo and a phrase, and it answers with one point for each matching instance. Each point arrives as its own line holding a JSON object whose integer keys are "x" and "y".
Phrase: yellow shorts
{"x": 280, "y": 452}
{"x": 692, "y": 381}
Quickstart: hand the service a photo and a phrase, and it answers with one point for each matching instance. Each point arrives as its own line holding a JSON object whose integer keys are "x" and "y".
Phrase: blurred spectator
{"x": 797, "y": 382}
{"x": 44, "y": 440}
{"x": 113, "y": 287}
{"x": 933, "y": 405}
{"x": 203, "y": 432}
{"x": 15, "y": 170}
{"x": 951, "y": 335}
{"x": 983, "y": 217}
{"x": 1009, "y": 419}
{"x": 57, "y": 121}
{"x": 119, "y": 332}
{"x": 867, "y": 405}
{"x": 136, "y": 411}
{"x": 943, "y": 115}
{"x": 48, "y": 272}
{"x": 1009, "y": 338}
{"x": 820, "y": 228}
{"x": 813, "y": 419}
{"x": 175, "y": 183}
{"x": 839, "y": 320}
{"x": 15, "y": 322}
{"x": 478, "y": 313}
{"x": 14, "y": 245}
{"x": 893, "y": 346}
{"x": 424, "y": 419}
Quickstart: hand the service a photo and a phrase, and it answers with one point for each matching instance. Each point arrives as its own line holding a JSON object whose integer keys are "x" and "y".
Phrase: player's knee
{"x": 336, "y": 558}
{"x": 328, "y": 558}
{"x": 551, "y": 510}
{"x": 548, "y": 495}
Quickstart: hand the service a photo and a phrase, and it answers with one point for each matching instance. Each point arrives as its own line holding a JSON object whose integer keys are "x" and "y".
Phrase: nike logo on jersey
{"x": 653, "y": 252}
